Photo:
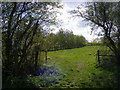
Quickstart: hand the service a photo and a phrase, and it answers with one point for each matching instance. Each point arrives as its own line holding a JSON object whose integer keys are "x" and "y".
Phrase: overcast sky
{"x": 76, "y": 24}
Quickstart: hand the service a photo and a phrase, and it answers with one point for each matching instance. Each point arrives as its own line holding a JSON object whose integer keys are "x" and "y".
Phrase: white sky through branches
{"x": 75, "y": 24}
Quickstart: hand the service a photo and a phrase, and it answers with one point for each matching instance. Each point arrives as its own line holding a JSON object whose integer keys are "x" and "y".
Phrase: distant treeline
{"x": 64, "y": 40}
{"x": 94, "y": 44}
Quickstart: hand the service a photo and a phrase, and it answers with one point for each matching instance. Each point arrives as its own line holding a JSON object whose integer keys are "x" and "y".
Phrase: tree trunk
{"x": 115, "y": 50}
{"x": 46, "y": 56}
{"x": 118, "y": 71}
{"x": 36, "y": 59}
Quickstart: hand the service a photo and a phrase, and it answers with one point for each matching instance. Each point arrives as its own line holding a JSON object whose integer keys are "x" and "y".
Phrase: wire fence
{"x": 103, "y": 55}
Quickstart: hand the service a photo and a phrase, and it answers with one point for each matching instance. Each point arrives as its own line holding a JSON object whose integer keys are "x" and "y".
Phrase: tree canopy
{"x": 104, "y": 15}
{"x": 22, "y": 22}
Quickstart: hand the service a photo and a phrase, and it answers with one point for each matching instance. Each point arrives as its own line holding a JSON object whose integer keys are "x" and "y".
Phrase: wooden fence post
{"x": 98, "y": 58}
{"x": 46, "y": 56}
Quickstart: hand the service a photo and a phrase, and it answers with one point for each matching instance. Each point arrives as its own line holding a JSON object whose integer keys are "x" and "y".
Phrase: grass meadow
{"x": 79, "y": 65}
{"x": 71, "y": 68}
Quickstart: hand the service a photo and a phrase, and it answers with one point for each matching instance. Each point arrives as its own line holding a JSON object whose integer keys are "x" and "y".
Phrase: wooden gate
{"x": 103, "y": 53}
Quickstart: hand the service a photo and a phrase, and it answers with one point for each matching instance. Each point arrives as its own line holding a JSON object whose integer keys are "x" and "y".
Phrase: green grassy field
{"x": 77, "y": 69}
{"x": 79, "y": 65}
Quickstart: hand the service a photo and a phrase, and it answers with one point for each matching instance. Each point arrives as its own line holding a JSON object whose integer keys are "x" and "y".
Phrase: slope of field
{"x": 79, "y": 66}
